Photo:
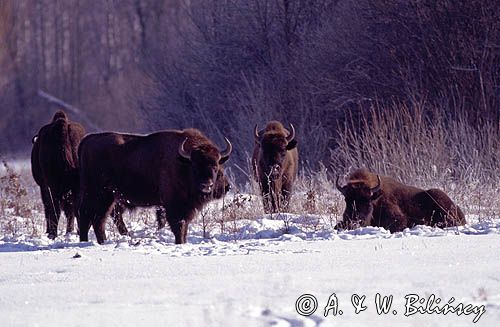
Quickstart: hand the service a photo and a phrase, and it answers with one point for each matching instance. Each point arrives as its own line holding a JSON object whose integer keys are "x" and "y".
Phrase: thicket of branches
{"x": 337, "y": 69}
{"x": 86, "y": 53}
{"x": 327, "y": 65}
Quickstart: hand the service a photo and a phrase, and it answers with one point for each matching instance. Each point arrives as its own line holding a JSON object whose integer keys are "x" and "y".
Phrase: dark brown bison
{"x": 174, "y": 170}
{"x": 275, "y": 164}
{"x": 373, "y": 200}
{"x": 54, "y": 165}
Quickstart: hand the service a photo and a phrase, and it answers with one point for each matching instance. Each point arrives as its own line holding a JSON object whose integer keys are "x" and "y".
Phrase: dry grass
{"x": 418, "y": 145}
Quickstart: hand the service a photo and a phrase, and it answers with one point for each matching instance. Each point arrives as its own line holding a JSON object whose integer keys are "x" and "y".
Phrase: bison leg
{"x": 86, "y": 214}
{"x": 93, "y": 211}
{"x": 117, "y": 216}
{"x": 266, "y": 202}
{"x": 179, "y": 222}
{"x": 340, "y": 225}
{"x": 179, "y": 228}
{"x": 269, "y": 200}
{"x": 101, "y": 210}
{"x": 51, "y": 204}
{"x": 185, "y": 231}
{"x": 391, "y": 218}
{"x": 271, "y": 203}
{"x": 69, "y": 206}
{"x": 275, "y": 201}
{"x": 265, "y": 197}
{"x": 161, "y": 217}
{"x": 285, "y": 197}
{"x": 272, "y": 196}
{"x": 286, "y": 191}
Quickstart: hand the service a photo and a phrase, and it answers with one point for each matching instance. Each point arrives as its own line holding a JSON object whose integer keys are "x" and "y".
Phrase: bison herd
{"x": 179, "y": 171}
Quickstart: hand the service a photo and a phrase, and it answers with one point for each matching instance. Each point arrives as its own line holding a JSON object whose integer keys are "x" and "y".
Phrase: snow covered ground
{"x": 248, "y": 272}
{"x": 252, "y": 277}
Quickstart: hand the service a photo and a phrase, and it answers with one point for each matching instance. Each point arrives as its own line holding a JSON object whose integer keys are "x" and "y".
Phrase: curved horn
{"x": 256, "y": 133}
{"x": 229, "y": 147}
{"x": 376, "y": 188}
{"x": 33, "y": 140}
{"x": 182, "y": 151}
{"x": 291, "y": 136}
{"x": 342, "y": 189}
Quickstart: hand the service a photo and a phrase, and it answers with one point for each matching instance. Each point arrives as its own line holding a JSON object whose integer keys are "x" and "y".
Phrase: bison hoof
{"x": 123, "y": 231}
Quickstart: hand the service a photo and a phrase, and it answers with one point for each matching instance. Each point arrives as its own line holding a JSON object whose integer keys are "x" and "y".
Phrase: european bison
{"x": 175, "y": 170}
{"x": 54, "y": 165}
{"x": 373, "y": 200}
{"x": 275, "y": 164}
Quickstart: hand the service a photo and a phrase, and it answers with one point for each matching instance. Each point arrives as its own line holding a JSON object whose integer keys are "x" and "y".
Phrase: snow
{"x": 251, "y": 276}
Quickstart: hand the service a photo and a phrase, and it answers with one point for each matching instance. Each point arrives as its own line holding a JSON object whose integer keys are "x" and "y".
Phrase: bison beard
{"x": 275, "y": 164}
{"x": 54, "y": 165}
{"x": 178, "y": 171}
{"x": 373, "y": 200}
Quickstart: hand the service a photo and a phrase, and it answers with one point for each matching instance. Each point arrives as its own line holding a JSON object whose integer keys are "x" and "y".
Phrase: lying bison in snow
{"x": 275, "y": 164}
{"x": 175, "y": 170}
{"x": 373, "y": 200}
{"x": 54, "y": 165}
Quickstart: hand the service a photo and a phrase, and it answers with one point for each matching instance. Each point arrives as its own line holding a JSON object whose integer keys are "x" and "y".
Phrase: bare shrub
{"x": 19, "y": 213}
{"x": 13, "y": 193}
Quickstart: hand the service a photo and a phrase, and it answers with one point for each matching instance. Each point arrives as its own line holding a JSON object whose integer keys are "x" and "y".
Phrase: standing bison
{"x": 175, "y": 170}
{"x": 54, "y": 165}
{"x": 373, "y": 200}
{"x": 275, "y": 164}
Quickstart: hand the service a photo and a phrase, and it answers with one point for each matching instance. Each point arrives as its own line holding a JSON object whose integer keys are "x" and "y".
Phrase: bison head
{"x": 274, "y": 146}
{"x": 359, "y": 198}
{"x": 206, "y": 165}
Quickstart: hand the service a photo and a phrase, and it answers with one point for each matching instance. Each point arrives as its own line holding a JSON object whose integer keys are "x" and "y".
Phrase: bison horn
{"x": 376, "y": 188}
{"x": 224, "y": 154}
{"x": 182, "y": 152}
{"x": 291, "y": 136}
{"x": 33, "y": 140}
{"x": 342, "y": 189}
{"x": 256, "y": 133}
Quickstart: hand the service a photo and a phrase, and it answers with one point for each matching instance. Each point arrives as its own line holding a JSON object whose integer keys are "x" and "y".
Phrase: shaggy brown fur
{"x": 54, "y": 165}
{"x": 275, "y": 164}
{"x": 394, "y": 206}
{"x": 159, "y": 169}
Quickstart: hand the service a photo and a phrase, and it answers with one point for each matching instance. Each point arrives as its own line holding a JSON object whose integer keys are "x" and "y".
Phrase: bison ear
{"x": 291, "y": 145}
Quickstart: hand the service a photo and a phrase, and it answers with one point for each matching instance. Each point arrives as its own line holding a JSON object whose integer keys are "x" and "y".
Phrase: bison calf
{"x": 373, "y": 200}
{"x": 275, "y": 164}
